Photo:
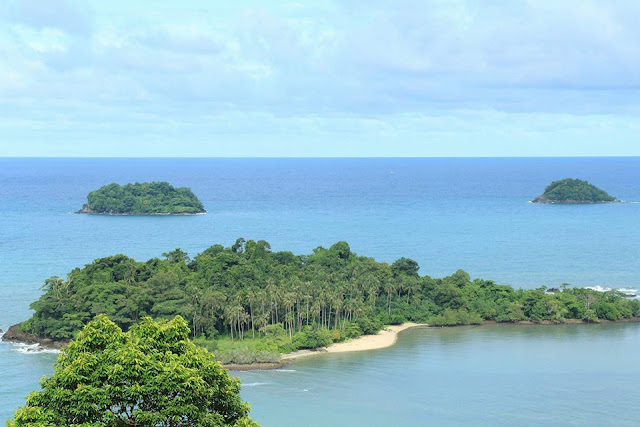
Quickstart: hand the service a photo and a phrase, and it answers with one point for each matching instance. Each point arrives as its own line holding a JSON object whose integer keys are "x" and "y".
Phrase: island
{"x": 254, "y": 307}
{"x": 573, "y": 191}
{"x": 148, "y": 198}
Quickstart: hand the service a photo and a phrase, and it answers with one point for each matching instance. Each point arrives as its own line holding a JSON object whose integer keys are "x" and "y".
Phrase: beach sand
{"x": 388, "y": 337}
{"x": 385, "y": 338}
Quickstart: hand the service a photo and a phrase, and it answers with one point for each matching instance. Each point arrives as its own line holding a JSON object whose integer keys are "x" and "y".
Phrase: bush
{"x": 455, "y": 317}
{"x": 352, "y": 330}
{"x": 287, "y": 347}
{"x": 274, "y": 331}
{"x": 369, "y": 326}
{"x": 247, "y": 356}
{"x": 397, "y": 319}
{"x": 513, "y": 312}
{"x": 312, "y": 338}
{"x": 590, "y": 316}
{"x": 607, "y": 310}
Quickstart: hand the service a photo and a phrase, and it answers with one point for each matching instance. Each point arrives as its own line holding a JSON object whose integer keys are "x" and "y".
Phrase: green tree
{"x": 142, "y": 198}
{"x": 569, "y": 189}
{"x": 405, "y": 266}
{"x": 151, "y": 375}
{"x": 246, "y": 289}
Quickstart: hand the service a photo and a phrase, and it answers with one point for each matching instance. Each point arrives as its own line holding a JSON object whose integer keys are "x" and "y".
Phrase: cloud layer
{"x": 441, "y": 77}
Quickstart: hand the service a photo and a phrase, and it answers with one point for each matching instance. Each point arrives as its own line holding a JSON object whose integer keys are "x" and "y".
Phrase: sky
{"x": 319, "y": 78}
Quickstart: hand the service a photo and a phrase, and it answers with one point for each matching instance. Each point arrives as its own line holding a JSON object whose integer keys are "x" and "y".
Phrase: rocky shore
{"x": 543, "y": 199}
{"x": 87, "y": 210}
{"x": 14, "y": 334}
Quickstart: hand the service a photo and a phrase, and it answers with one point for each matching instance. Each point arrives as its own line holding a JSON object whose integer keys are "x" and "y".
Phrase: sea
{"x": 446, "y": 213}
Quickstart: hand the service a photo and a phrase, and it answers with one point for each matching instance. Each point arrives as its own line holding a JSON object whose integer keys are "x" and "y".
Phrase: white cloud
{"x": 376, "y": 68}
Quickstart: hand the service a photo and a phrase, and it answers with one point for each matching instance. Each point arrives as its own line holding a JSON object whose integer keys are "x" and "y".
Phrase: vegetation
{"x": 571, "y": 190}
{"x": 247, "y": 303}
{"x": 145, "y": 198}
{"x": 246, "y": 351}
{"x": 151, "y": 375}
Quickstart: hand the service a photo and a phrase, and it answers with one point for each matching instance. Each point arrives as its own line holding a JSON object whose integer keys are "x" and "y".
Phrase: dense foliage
{"x": 152, "y": 375}
{"x": 575, "y": 190}
{"x": 145, "y": 198}
{"x": 295, "y": 301}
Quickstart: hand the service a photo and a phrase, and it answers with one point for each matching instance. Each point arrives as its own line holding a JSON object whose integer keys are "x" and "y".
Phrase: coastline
{"x": 572, "y": 202}
{"x": 387, "y": 337}
{"x": 15, "y": 335}
{"x": 141, "y": 214}
{"x": 383, "y": 339}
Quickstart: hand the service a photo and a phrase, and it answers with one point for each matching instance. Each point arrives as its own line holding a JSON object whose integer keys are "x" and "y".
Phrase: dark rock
{"x": 15, "y": 334}
{"x": 85, "y": 209}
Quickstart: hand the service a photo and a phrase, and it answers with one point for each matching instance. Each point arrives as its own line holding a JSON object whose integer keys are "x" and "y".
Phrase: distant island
{"x": 147, "y": 198}
{"x": 570, "y": 190}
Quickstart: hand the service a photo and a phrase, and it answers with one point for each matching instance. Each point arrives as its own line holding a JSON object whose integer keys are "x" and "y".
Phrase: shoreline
{"x": 16, "y": 336}
{"x": 549, "y": 202}
{"x": 141, "y": 214}
{"x": 383, "y": 339}
{"x": 387, "y": 337}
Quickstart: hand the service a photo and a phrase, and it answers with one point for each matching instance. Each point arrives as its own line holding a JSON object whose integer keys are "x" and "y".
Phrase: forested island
{"x": 570, "y": 190}
{"x": 148, "y": 198}
{"x": 249, "y": 304}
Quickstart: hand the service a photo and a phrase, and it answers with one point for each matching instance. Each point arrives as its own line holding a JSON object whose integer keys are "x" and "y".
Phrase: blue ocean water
{"x": 567, "y": 375}
{"x": 445, "y": 213}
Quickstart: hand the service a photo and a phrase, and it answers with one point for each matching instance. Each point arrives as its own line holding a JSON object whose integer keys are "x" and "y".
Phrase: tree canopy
{"x": 143, "y": 198}
{"x": 248, "y": 290}
{"x": 573, "y": 190}
{"x": 152, "y": 375}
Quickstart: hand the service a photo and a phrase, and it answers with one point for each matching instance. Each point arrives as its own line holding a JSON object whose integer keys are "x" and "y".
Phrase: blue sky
{"x": 319, "y": 78}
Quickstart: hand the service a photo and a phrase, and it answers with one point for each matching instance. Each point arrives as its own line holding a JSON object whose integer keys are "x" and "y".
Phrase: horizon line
{"x": 324, "y": 157}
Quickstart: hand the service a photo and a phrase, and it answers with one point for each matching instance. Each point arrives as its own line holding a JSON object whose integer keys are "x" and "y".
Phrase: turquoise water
{"x": 490, "y": 375}
{"x": 444, "y": 213}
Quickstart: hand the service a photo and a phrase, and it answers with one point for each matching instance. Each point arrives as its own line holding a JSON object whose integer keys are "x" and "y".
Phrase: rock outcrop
{"x": 15, "y": 334}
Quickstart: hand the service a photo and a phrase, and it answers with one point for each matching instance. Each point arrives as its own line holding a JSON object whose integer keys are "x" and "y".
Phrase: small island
{"x": 570, "y": 190}
{"x": 148, "y": 198}
{"x": 258, "y": 309}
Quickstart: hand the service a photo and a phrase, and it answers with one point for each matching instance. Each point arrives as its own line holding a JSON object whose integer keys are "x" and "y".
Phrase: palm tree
{"x": 252, "y": 297}
{"x": 389, "y": 287}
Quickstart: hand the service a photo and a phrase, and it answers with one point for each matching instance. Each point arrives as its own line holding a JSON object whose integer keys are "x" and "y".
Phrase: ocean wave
{"x": 253, "y": 384}
{"x": 32, "y": 349}
{"x": 285, "y": 370}
{"x": 630, "y": 292}
{"x": 598, "y": 288}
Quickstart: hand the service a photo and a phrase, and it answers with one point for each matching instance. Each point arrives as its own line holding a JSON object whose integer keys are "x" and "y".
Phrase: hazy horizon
{"x": 310, "y": 157}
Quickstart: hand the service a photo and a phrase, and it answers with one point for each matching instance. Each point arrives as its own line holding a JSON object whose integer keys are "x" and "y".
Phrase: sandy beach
{"x": 385, "y": 338}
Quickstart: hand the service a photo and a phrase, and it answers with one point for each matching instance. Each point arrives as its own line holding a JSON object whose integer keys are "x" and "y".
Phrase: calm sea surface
{"x": 445, "y": 213}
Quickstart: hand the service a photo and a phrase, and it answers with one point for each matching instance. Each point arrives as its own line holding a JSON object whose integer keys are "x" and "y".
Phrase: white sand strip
{"x": 385, "y": 338}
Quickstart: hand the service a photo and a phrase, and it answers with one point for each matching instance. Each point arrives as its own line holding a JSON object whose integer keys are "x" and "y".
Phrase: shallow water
{"x": 488, "y": 375}
{"x": 445, "y": 213}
